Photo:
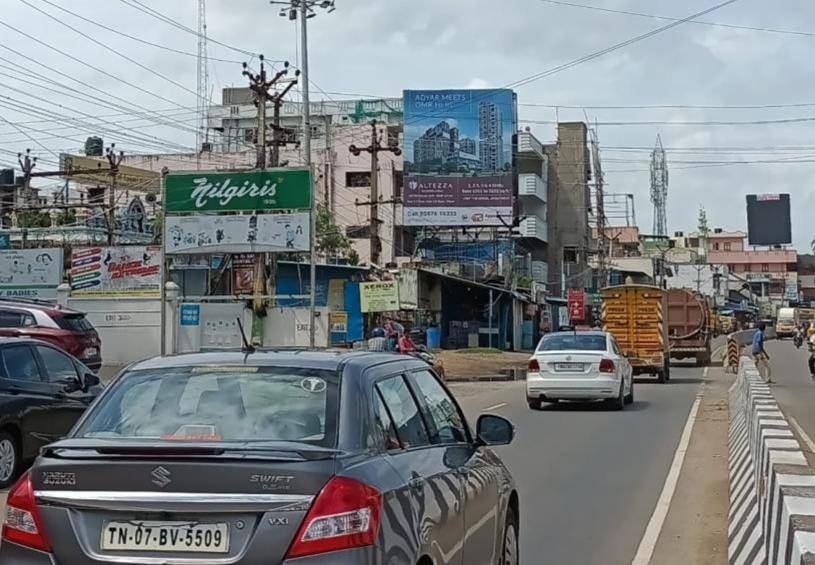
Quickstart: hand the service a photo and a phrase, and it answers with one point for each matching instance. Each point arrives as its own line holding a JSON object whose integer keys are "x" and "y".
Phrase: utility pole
{"x": 261, "y": 85}
{"x": 27, "y": 164}
{"x": 114, "y": 161}
{"x": 374, "y": 149}
{"x": 306, "y": 11}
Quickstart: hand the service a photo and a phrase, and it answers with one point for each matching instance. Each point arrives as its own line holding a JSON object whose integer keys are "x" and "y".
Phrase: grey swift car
{"x": 299, "y": 458}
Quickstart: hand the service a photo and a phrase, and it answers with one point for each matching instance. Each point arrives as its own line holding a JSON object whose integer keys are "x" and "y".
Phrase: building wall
{"x": 569, "y": 201}
{"x": 732, "y": 243}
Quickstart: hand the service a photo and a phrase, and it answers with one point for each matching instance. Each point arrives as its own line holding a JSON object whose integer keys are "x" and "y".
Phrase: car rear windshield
{"x": 228, "y": 404}
{"x": 73, "y": 322}
{"x": 573, "y": 342}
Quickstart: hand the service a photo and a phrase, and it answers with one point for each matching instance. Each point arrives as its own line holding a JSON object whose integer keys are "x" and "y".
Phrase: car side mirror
{"x": 89, "y": 380}
{"x": 494, "y": 430}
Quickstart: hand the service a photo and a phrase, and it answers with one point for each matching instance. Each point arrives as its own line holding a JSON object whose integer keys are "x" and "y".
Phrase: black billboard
{"x": 768, "y": 219}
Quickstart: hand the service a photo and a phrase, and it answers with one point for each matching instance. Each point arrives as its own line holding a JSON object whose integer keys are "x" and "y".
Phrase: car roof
{"x": 330, "y": 359}
{"x": 580, "y": 332}
{"x": 28, "y": 305}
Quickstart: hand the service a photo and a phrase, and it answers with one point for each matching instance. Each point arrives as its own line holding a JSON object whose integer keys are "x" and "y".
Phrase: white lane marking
{"x": 496, "y": 407}
{"x": 652, "y": 531}
{"x": 704, "y": 373}
{"x": 803, "y": 434}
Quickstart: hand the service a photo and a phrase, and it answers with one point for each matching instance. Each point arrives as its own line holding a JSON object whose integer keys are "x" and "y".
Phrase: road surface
{"x": 794, "y": 389}
{"x": 589, "y": 478}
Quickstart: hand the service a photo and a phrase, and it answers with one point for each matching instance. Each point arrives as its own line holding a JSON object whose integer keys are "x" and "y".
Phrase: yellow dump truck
{"x": 635, "y": 316}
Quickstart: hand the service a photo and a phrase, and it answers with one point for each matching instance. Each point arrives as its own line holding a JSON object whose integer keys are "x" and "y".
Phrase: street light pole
{"x": 306, "y": 9}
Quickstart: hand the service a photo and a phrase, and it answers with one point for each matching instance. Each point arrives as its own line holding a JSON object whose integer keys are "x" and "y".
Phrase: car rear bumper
{"x": 13, "y": 554}
{"x": 572, "y": 388}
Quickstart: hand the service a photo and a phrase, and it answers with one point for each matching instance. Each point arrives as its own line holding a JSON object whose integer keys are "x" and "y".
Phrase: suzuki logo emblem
{"x": 161, "y": 477}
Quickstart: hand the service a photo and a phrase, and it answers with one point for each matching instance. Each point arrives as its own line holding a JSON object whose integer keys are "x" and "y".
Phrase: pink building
{"x": 770, "y": 267}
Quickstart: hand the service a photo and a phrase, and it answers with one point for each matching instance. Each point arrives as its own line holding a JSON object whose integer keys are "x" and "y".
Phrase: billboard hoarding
{"x": 577, "y": 305}
{"x": 768, "y": 219}
{"x": 208, "y": 191}
{"x": 380, "y": 296}
{"x": 116, "y": 271}
{"x": 30, "y": 273}
{"x": 458, "y": 157}
{"x": 455, "y": 201}
{"x": 128, "y": 178}
{"x": 237, "y": 234}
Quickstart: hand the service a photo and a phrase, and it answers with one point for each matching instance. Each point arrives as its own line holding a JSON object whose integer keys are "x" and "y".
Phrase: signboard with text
{"x": 208, "y": 191}
{"x": 577, "y": 305}
{"x": 237, "y": 234}
{"x": 458, "y": 157}
{"x": 116, "y": 271}
{"x": 382, "y": 296}
{"x": 30, "y": 273}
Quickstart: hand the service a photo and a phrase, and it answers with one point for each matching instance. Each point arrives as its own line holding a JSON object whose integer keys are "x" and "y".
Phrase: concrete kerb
{"x": 772, "y": 488}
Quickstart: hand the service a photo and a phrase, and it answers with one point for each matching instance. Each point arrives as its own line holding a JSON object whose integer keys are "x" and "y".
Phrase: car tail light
{"x": 534, "y": 366}
{"x": 344, "y": 515}
{"x": 606, "y": 366}
{"x": 23, "y": 524}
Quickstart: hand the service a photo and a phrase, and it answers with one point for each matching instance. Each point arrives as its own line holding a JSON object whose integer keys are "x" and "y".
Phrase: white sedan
{"x": 579, "y": 366}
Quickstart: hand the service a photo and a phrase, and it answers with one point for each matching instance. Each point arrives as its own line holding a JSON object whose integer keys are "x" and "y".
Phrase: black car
{"x": 268, "y": 458}
{"x": 43, "y": 392}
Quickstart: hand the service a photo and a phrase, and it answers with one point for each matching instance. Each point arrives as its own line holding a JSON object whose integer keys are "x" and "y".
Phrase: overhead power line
{"x": 134, "y": 38}
{"x": 168, "y": 20}
{"x": 671, "y": 106}
{"x": 86, "y": 64}
{"x": 667, "y": 18}
{"x": 688, "y": 123}
{"x": 111, "y": 49}
{"x": 616, "y": 46}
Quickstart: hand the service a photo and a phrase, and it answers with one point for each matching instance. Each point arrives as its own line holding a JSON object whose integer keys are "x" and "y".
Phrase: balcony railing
{"x": 534, "y": 228}
{"x": 528, "y": 144}
{"x": 532, "y": 185}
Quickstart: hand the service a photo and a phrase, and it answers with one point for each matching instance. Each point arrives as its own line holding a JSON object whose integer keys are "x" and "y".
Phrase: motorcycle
{"x": 798, "y": 341}
{"x": 426, "y": 356}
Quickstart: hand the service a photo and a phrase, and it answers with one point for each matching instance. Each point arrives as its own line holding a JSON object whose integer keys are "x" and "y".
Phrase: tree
{"x": 34, "y": 219}
{"x": 331, "y": 240}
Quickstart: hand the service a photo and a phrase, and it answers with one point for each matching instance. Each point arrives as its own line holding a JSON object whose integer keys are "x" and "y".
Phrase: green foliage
{"x": 330, "y": 239}
{"x": 66, "y": 217}
{"x": 34, "y": 219}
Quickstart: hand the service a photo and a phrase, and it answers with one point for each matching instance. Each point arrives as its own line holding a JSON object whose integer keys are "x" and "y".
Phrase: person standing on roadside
{"x": 760, "y": 354}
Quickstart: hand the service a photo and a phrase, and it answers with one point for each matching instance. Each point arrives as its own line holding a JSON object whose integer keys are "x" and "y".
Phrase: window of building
{"x": 715, "y": 247}
{"x": 727, "y": 246}
{"x": 765, "y": 268}
{"x": 731, "y": 267}
{"x": 249, "y": 135}
{"x": 398, "y": 183}
{"x": 393, "y": 135}
{"x": 358, "y": 179}
{"x": 358, "y": 232}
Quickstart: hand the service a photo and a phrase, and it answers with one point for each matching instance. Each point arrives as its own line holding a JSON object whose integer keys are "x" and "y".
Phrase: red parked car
{"x": 68, "y": 329}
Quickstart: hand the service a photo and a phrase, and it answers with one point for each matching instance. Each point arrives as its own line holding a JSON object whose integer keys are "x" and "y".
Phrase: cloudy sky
{"x": 696, "y": 75}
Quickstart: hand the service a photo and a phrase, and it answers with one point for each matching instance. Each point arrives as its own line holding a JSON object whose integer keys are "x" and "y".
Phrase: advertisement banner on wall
{"x": 577, "y": 305}
{"x": 380, "y": 296}
{"x": 116, "y": 271}
{"x": 208, "y": 191}
{"x": 458, "y": 157}
{"x": 243, "y": 272}
{"x": 237, "y": 234}
{"x": 30, "y": 273}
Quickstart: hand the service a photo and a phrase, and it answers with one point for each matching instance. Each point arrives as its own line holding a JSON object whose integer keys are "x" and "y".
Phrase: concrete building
{"x": 231, "y": 125}
{"x": 533, "y": 203}
{"x": 621, "y": 241}
{"x": 569, "y": 202}
{"x": 806, "y": 277}
{"x": 770, "y": 272}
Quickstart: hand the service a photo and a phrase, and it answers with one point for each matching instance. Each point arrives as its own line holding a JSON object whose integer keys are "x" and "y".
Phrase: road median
{"x": 772, "y": 487}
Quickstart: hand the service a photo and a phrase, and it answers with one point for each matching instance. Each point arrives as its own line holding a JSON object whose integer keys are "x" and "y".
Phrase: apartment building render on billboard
{"x": 491, "y": 136}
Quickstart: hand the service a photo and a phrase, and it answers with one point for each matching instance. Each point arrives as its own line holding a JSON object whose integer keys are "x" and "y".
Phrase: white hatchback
{"x": 579, "y": 365}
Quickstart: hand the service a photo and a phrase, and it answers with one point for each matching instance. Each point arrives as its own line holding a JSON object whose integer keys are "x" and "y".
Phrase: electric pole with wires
{"x": 114, "y": 160}
{"x": 374, "y": 149}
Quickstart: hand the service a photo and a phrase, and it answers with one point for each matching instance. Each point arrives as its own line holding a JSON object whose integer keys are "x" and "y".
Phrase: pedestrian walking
{"x": 760, "y": 355}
